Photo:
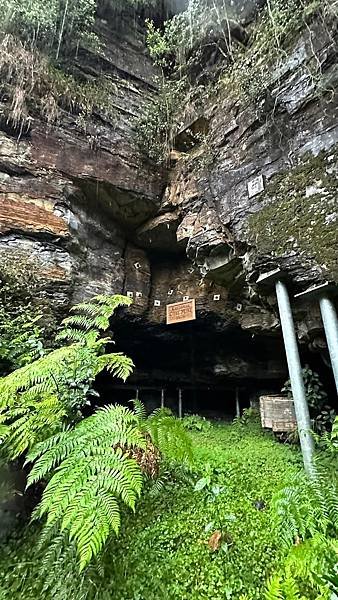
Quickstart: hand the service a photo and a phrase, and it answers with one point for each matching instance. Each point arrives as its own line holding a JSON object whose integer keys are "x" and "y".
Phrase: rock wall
{"x": 71, "y": 193}
{"x": 261, "y": 192}
{"x": 88, "y": 214}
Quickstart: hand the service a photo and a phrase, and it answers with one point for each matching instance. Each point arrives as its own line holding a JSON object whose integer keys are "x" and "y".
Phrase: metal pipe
{"x": 180, "y": 403}
{"x": 330, "y": 322}
{"x": 162, "y": 398}
{"x": 238, "y": 408}
{"x": 296, "y": 378}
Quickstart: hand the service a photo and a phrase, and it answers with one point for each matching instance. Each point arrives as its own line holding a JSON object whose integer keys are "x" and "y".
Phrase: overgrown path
{"x": 184, "y": 543}
{"x": 167, "y": 555}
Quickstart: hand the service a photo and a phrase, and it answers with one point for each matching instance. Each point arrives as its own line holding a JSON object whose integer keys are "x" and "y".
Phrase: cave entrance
{"x": 206, "y": 359}
{"x": 212, "y": 402}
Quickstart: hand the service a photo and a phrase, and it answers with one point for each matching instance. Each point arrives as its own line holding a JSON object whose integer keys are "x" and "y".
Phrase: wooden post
{"x": 179, "y": 403}
{"x": 162, "y": 398}
{"x": 137, "y": 393}
{"x": 238, "y": 408}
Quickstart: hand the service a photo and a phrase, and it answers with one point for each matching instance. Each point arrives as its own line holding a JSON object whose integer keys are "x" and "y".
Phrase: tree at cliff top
{"x": 56, "y": 26}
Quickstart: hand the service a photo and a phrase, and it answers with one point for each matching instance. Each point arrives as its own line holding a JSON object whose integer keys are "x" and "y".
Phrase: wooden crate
{"x": 277, "y": 413}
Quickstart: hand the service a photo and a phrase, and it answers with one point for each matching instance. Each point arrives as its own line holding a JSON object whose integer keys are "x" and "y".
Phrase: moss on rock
{"x": 300, "y": 214}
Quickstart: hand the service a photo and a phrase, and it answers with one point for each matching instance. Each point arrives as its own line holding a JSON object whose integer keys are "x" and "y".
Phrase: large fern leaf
{"x": 118, "y": 364}
{"x": 44, "y": 371}
{"x": 166, "y": 432}
{"x": 93, "y": 474}
{"x": 92, "y": 315}
{"x": 30, "y": 422}
{"x": 274, "y": 589}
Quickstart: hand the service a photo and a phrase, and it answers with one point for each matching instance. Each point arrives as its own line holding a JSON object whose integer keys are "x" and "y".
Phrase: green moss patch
{"x": 300, "y": 214}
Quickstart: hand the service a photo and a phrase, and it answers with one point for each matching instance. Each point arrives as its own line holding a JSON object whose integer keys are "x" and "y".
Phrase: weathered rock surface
{"x": 90, "y": 215}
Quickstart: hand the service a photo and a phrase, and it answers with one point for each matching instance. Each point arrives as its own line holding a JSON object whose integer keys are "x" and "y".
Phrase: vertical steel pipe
{"x": 330, "y": 322}
{"x": 295, "y": 373}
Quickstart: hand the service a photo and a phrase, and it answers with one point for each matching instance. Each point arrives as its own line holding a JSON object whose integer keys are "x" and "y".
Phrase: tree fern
{"x": 37, "y": 399}
{"x": 94, "y": 473}
{"x": 95, "y": 466}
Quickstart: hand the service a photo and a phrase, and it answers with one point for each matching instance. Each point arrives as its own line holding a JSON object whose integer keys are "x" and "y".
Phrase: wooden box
{"x": 277, "y": 413}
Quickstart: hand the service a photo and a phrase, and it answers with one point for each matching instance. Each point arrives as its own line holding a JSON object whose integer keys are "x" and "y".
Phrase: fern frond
{"x": 304, "y": 509}
{"x": 139, "y": 409}
{"x": 80, "y": 321}
{"x": 45, "y": 371}
{"x": 290, "y": 587}
{"x": 30, "y": 422}
{"x": 311, "y": 559}
{"x": 4, "y": 432}
{"x": 77, "y": 335}
{"x": 93, "y": 315}
{"x": 170, "y": 436}
{"x": 94, "y": 472}
{"x": 117, "y": 363}
{"x": 274, "y": 589}
{"x": 108, "y": 427}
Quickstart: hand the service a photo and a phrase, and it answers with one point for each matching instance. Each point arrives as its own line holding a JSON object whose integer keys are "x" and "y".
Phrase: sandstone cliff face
{"x": 70, "y": 192}
{"x": 88, "y": 214}
{"x": 285, "y": 148}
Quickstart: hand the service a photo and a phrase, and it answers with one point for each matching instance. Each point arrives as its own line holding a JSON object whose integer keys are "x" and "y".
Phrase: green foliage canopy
{"x": 41, "y": 396}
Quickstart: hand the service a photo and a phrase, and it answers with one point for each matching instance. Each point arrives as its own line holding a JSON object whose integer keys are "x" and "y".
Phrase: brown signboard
{"x": 181, "y": 311}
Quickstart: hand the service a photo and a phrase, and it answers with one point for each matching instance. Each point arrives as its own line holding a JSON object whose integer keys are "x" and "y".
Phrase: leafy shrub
{"x": 322, "y": 414}
{"x": 196, "y": 423}
{"x": 250, "y": 416}
{"x": 315, "y": 393}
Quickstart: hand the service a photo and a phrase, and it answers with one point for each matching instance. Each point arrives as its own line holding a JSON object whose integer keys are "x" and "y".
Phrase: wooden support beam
{"x": 180, "y": 411}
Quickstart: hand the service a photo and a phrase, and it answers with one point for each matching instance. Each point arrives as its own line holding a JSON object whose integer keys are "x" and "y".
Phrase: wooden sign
{"x": 181, "y": 312}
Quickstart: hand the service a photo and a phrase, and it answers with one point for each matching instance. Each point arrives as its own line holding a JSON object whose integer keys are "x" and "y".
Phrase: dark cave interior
{"x": 209, "y": 364}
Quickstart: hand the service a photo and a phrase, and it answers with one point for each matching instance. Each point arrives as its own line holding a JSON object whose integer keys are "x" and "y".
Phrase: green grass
{"x": 162, "y": 552}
